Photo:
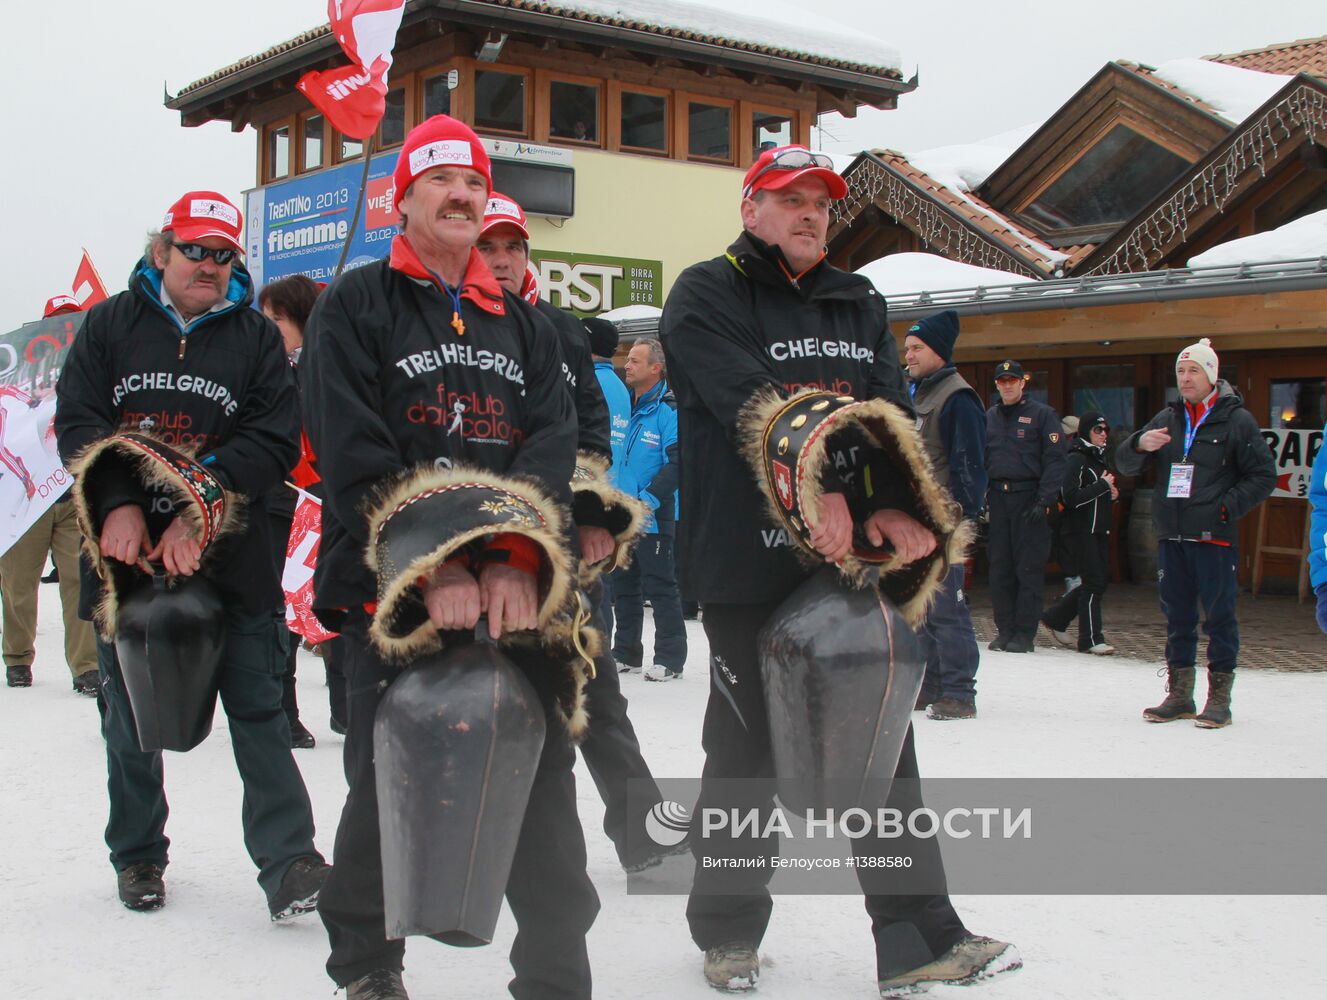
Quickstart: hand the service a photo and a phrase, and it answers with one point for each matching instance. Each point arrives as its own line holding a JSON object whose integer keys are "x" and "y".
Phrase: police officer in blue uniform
{"x": 1025, "y": 464}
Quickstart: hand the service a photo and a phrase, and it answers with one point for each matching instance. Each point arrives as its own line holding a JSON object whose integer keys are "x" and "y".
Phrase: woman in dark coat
{"x": 1088, "y": 491}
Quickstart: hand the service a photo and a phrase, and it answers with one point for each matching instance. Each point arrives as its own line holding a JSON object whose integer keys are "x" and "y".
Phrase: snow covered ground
{"x": 1052, "y": 714}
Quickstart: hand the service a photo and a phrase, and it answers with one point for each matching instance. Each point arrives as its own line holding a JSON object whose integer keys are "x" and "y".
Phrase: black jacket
{"x": 1024, "y": 444}
{"x": 230, "y": 399}
{"x": 389, "y": 386}
{"x": 1086, "y": 495}
{"x": 734, "y": 325}
{"x": 578, "y": 369}
{"x": 1234, "y": 470}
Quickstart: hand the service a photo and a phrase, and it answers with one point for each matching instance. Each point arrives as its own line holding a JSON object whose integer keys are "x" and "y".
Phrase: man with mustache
{"x": 180, "y": 356}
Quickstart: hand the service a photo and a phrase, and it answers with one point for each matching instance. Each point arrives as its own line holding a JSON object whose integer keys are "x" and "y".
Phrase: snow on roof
{"x": 623, "y": 313}
{"x": 778, "y": 26}
{"x": 965, "y": 167}
{"x": 1298, "y": 240}
{"x": 910, "y": 273}
{"x": 1235, "y": 93}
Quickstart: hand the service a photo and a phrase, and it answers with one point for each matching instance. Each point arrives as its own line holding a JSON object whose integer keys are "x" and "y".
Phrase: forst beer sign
{"x": 589, "y": 284}
{"x": 1294, "y": 452}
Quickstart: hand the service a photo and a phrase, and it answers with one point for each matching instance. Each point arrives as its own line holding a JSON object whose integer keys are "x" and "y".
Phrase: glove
{"x": 1322, "y": 607}
{"x": 1036, "y": 514}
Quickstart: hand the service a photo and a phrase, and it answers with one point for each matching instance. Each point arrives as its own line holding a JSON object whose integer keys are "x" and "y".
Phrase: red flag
{"x": 87, "y": 276}
{"x": 301, "y": 557}
{"x": 354, "y": 97}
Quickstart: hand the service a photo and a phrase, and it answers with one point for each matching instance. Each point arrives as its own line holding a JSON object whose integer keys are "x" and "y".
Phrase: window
{"x": 573, "y": 111}
{"x": 1299, "y": 404}
{"x": 278, "y": 152}
{"x": 437, "y": 96}
{"x": 348, "y": 148}
{"x": 499, "y": 101}
{"x": 769, "y": 130}
{"x": 1108, "y": 184}
{"x": 644, "y": 121}
{"x": 311, "y": 138}
{"x": 392, "y": 130}
{"x": 1110, "y": 389}
{"x": 710, "y": 131}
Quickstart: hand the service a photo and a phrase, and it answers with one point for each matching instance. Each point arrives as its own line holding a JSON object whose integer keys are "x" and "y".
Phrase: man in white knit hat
{"x": 1212, "y": 467}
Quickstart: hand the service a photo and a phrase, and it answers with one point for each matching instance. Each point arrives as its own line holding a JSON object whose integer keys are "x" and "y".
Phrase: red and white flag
{"x": 301, "y": 557}
{"x": 88, "y": 286}
{"x": 354, "y": 97}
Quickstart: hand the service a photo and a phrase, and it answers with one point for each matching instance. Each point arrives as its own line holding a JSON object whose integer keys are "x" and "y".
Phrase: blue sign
{"x": 300, "y": 226}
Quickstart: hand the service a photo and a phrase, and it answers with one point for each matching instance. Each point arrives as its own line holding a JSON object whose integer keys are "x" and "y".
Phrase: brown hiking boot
{"x": 1216, "y": 713}
{"x": 1179, "y": 697}
{"x": 971, "y": 960}
{"x": 733, "y": 967}
{"x": 951, "y": 708}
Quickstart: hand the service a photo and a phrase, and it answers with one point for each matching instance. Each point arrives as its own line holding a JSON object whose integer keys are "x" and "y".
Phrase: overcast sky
{"x": 93, "y": 158}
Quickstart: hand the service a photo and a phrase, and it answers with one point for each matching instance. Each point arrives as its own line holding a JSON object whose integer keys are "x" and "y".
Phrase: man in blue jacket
{"x": 1318, "y": 534}
{"x": 952, "y": 423}
{"x": 648, "y": 470}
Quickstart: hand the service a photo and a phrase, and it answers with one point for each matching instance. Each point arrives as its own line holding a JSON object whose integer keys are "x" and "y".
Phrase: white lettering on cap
{"x": 442, "y": 153}
{"x": 167, "y": 219}
{"x": 501, "y": 206}
{"x": 210, "y": 208}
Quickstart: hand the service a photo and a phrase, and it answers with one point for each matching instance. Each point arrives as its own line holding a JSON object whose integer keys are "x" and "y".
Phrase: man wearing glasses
{"x": 771, "y": 313}
{"x": 180, "y": 357}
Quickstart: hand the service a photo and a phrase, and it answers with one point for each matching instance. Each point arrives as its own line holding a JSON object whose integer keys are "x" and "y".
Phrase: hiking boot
{"x": 300, "y": 737}
{"x": 952, "y": 708}
{"x": 380, "y": 984}
{"x": 1101, "y": 649}
{"x": 1216, "y": 713}
{"x": 1179, "y": 697}
{"x": 971, "y": 960}
{"x": 1020, "y": 644}
{"x": 658, "y": 672}
{"x": 18, "y": 677}
{"x": 88, "y": 683}
{"x": 298, "y": 892}
{"x": 732, "y": 967}
{"x": 141, "y": 886}
{"x": 999, "y": 643}
{"x": 1059, "y": 635}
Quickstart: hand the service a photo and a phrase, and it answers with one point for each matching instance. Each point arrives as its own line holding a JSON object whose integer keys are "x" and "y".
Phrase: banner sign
{"x": 301, "y": 558}
{"x": 1294, "y": 452}
{"x": 588, "y": 284}
{"x": 31, "y": 476}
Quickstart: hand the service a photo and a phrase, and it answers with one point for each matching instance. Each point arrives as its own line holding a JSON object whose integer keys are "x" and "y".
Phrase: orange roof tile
{"x": 1306, "y": 55}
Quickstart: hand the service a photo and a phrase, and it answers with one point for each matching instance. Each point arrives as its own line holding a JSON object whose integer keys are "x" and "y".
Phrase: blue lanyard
{"x": 1192, "y": 432}
{"x": 455, "y": 295}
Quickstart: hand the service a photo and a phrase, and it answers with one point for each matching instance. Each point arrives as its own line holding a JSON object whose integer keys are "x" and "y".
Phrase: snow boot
{"x": 971, "y": 960}
{"x": 380, "y": 984}
{"x": 1179, "y": 697}
{"x": 999, "y": 642}
{"x": 1216, "y": 713}
{"x": 141, "y": 886}
{"x": 1020, "y": 642}
{"x": 298, "y": 892}
{"x": 18, "y": 677}
{"x": 732, "y": 967}
{"x": 951, "y": 708}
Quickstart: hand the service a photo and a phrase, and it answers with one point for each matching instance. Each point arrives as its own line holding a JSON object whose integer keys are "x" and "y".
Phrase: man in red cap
{"x": 771, "y": 315}
{"x": 61, "y": 305}
{"x": 421, "y": 368}
{"x": 180, "y": 357}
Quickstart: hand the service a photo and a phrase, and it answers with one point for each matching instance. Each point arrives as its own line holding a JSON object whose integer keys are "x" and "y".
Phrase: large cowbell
{"x": 169, "y": 638}
{"x": 456, "y": 742}
{"x": 842, "y": 670}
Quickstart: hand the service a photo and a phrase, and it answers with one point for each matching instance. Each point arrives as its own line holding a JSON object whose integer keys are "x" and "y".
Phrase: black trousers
{"x": 548, "y": 891}
{"x": 1194, "y": 573}
{"x": 734, "y": 904}
{"x": 1017, "y": 551}
{"x": 1092, "y": 556}
{"x": 612, "y": 755}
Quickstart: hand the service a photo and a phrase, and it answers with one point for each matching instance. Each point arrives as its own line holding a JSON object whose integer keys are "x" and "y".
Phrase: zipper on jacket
{"x": 180, "y": 356}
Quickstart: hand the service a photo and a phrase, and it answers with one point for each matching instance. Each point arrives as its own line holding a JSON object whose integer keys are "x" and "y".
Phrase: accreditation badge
{"x": 1181, "y": 481}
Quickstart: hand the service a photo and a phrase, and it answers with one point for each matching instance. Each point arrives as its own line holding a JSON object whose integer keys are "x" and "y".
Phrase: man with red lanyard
{"x": 1212, "y": 466}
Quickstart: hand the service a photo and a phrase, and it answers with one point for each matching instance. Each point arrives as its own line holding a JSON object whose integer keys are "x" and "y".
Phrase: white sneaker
{"x": 626, "y": 668}
{"x": 1102, "y": 649}
{"x": 658, "y": 672}
{"x": 1063, "y": 638}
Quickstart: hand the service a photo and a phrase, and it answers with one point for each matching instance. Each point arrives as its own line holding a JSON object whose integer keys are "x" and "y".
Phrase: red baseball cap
{"x": 204, "y": 213}
{"x": 503, "y": 211}
{"x": 440, "y": 141}
{"x": 58, "y": 305}
{"x": 782, "y": 165}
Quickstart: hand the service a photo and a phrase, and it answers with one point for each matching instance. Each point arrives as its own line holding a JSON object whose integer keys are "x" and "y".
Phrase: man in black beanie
{"x": 953, "y": 429}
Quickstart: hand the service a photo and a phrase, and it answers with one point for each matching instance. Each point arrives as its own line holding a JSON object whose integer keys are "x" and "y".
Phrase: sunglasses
{"x": 790, "y": 159}
{"x": 197, "y": 253}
